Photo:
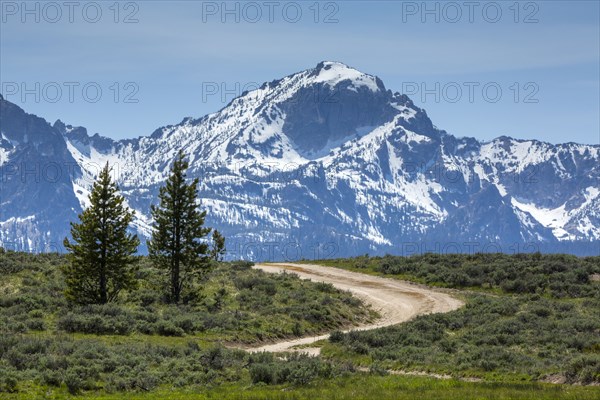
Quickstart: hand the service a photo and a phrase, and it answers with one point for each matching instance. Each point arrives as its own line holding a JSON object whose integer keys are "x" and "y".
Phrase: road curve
{"x": 396, "y": 301}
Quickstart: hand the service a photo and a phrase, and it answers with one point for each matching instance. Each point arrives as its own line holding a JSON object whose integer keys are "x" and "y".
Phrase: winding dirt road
{"x": 396, "y": 301}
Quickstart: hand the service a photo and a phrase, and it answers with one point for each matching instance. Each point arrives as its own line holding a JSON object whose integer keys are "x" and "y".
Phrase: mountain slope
{"x": 36, "y": 194}
{"x": 323, "y": 162}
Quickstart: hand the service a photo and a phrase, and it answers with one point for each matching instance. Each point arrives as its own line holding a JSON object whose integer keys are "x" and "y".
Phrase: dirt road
{"x": 396, "y": 301}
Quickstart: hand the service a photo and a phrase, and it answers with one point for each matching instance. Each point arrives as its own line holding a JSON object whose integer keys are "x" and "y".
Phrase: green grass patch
{"x": 356, "y": 387}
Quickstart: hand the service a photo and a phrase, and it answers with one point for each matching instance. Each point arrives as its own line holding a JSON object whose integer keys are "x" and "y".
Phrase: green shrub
{"x": 9, "y": 380}
{"x": 336, "y": 337}
{"x": 584, "y": 369}
{"x": 241, "y": 265}
{"x": 168, "y": 328}
{"x": 52, "y": 377}
{"x": 263, "y": 373}
{"x": 36, "y": 324}
{"x": 73, "y": 382}
{"x": 97, "y": 319}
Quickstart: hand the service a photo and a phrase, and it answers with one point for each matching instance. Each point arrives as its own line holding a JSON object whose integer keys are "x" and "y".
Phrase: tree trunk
{"x": 103, "y": 291}
{"x": 176, "y": 257}
{"x": 175, "y": 283}
{"x": 104, "y": 239}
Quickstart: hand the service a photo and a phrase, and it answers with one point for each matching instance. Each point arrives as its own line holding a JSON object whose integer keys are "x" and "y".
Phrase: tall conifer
{"x": 100, "y": 256}
{"x": 176, "y": 244}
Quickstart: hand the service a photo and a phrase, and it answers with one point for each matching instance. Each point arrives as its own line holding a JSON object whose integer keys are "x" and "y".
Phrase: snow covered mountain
{"x": 324, "y": 162}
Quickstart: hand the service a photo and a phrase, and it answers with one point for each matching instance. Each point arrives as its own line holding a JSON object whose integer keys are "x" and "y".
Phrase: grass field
{"x": 355, "y": 387}
{"x": 510, "y": 335}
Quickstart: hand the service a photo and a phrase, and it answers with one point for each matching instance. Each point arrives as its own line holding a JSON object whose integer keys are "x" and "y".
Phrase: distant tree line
{"x": 101, "y": 260}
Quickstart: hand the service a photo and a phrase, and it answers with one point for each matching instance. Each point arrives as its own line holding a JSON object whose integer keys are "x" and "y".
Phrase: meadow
{"x": 535, "y": 337}
{"x": 528, "y": 317}
{"x": 141, "y": 342}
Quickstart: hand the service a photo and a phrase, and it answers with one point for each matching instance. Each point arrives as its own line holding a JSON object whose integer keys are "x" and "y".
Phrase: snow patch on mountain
{"x": 332, "y": 73}
{"x": 516, "y": 154}
{"x": 5, "y": 149}
{"x": 560, "y": 217}
{"x": 21, "y": 226}
{"x": 529, "y": 222}
{"x": 82, "y": 193}
{"x": 4, "y": 155}
{"x": 406, "y": 112}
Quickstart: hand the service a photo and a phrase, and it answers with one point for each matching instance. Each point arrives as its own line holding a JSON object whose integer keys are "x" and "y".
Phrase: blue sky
{"x": 176, "y": 51}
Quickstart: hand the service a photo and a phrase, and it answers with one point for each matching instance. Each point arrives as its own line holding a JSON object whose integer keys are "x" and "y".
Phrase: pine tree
{"x": 218, "y": 246}
{"x": 176, "y": 244}
{"x": 101, "y": 254}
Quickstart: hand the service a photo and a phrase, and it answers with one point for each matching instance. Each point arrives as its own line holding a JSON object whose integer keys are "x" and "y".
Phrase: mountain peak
{"x": 61, "y": 126}
{"x": 333, "y": 72}
{"x": 335, "y": 65}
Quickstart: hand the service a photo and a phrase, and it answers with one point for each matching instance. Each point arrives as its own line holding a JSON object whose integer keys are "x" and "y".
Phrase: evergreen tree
{"x": 218, "y": 246}
{"x": 101, "y": 255}
{"x": 176, "y": 244}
